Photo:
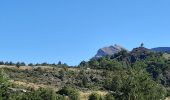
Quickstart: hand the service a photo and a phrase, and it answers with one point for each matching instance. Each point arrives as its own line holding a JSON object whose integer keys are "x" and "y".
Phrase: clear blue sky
{"x": 73, "y": 30}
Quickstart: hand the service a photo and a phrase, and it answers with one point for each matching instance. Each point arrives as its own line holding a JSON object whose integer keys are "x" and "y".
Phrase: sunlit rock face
{"x": 109, "y": 51}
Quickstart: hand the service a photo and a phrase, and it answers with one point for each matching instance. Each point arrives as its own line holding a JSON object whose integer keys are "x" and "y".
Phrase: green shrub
{"x": 61, "y": 74}
{"x": 3, "y": 77}
{"x": 70, "y": 92}
{"x": 109, "y": 97}
{"x": 94, "y": 96}
{"x": 4, "y": 83}
{"x": 168, "y": 92}
{"x": 40, "y": 94}
{"x": 136, "y": 85}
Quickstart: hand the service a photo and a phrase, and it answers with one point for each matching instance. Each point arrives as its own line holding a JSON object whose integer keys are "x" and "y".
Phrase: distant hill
{"x": 113, "y": 49}
{"x": 109, "y": 51}
{"x": 161, "y": 49}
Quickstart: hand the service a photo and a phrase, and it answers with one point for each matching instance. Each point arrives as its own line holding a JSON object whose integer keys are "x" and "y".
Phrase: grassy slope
{"x": 83, "y": 94}
{"x": 26, "y": 84}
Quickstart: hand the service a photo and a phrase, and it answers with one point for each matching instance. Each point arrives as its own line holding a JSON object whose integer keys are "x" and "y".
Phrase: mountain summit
{"x": 109, "y": 51}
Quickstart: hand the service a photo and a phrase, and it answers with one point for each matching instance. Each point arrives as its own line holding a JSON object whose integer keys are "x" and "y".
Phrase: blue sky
{"x": 73, "y": 30}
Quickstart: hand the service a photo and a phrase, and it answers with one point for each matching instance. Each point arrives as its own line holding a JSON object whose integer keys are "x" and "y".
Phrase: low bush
{"x": 95, "y": 96}
{"x": 109, "y": 97}
{"x": 70, "y": 92}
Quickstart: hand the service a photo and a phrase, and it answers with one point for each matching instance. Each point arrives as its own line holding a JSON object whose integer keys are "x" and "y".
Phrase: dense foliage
{"x": 70, "y": 92}
{"x": 95, "y": 96}
{"x": 139, "y": 74}
{"x": 136, "y": 85}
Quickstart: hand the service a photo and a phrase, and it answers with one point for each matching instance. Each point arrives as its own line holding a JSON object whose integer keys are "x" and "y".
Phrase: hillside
{"x": 161, "y": 49}
{"x": 117, "y": 77}
{"x": 28, "y": 78}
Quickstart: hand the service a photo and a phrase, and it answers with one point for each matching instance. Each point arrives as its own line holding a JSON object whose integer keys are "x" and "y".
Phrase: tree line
{"x": 18, "y": 64}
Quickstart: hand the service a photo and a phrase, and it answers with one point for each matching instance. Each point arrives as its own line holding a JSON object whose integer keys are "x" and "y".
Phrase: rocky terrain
{"x": 109, "y": 51}
{"x": 114, "y": 49}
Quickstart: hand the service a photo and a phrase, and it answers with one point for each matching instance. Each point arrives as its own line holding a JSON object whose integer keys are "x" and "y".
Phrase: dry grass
{"x": 14, "y": 67}
{"x": 168, "y": 98}
{"x": 33, "y": 85}
{"x": 85, "y": 95}
{"x": 167, "y": 56}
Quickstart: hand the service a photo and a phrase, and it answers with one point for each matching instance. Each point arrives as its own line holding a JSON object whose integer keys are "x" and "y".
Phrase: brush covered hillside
{"x": 136, "y": 75}
{"x": 161, "y": 49}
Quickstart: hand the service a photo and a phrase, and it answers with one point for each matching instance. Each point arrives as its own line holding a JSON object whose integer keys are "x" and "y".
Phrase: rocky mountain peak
{"x": 109, "y": 51}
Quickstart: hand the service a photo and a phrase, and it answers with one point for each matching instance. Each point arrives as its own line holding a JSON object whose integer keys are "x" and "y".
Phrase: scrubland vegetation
{"x": 136, "y": 75}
